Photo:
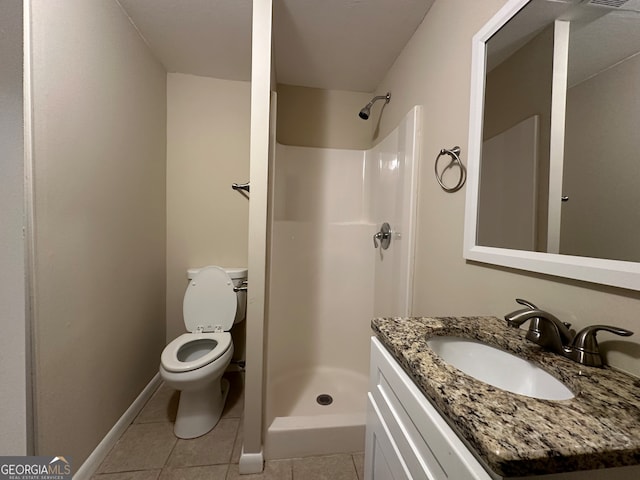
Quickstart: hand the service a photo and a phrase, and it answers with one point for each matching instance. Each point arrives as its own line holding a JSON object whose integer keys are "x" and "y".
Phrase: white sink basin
{"x": 499, "y": 368}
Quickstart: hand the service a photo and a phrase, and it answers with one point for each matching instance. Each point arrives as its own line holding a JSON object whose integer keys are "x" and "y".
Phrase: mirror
{"x": 553, "y": 153}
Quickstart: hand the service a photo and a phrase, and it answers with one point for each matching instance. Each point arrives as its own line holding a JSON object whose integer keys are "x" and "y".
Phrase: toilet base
{"x": 200, "y": 410}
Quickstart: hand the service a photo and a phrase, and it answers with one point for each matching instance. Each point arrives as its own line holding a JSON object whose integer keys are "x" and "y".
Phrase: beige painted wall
{"x": 313, "y": 117}
{"x": 208, "y": 123}
{"x": 515, "y": 90}
{"x": 434, "y": 70}
{"x": 601, "y": 174}
{"x": 99, "y": 100}
{"x": 13, "y": 313}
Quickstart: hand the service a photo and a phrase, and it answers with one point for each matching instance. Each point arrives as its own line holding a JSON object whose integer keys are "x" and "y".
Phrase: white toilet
{"x": 194, "y": 362}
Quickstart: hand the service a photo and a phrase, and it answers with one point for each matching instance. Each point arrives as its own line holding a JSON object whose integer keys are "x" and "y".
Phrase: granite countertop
{"x": 513, "y": 434}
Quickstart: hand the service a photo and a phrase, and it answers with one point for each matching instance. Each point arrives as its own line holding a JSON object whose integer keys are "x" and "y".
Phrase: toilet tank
{"x": 237, "y": 276}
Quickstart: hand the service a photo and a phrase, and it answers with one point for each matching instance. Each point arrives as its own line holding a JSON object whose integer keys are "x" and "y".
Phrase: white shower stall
{"x": 327, "y": 281}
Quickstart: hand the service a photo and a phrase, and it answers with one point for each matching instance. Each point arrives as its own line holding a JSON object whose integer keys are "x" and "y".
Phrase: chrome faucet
{"x": 550, "y": 333}
{"x": 545, "y": 329}
{"x": 584, "y": 348}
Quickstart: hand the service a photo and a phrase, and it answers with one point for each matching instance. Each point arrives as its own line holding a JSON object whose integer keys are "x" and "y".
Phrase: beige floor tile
{"x": 161, "y": 407}
{"x": 144, "y": 446}
{"x": 139, "y": 475}
{"x": 358, "y": 461}
{"x": 210, "y": 472}
{"x": 273, "y": 470}
{"x": 213, "y": 448}
{"x": 237, "y": 446}
{"x": 149, "y": 450}
{"x": 331, "y": 467}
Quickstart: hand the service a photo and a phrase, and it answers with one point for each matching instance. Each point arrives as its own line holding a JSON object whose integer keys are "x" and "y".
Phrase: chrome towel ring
{"x": 454, "y": 153}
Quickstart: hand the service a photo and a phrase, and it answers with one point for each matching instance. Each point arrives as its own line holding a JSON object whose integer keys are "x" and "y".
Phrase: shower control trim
{"x": 384, "y": 236}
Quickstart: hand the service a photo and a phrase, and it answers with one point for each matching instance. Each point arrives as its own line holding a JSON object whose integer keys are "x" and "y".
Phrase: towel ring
{"x": 454, "y": 153}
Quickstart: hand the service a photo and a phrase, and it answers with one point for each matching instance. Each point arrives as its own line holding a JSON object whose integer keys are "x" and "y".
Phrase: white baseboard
{"x": 250, "y": 463}
{"x": 91, "y": 464}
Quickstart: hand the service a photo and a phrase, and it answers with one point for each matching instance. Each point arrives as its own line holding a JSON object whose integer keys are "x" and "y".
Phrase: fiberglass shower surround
{"x": 327, "y": 282}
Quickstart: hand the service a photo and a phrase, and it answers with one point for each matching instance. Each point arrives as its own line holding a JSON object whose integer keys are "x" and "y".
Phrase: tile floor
{"x": 148, "y": 450}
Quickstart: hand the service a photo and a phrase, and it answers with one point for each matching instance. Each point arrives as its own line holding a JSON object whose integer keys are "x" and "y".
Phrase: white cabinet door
{"x": 423, "y": 444}
{"x": 382, "y": 458}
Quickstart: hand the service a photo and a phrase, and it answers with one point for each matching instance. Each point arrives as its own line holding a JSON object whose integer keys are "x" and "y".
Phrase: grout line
{"x": 149, "y": 400}
{"x": 235, "y": 439}
{"x": 134, "y": 470}
{"x": 226, "y": 474}
{"x": 170, "y": 453}
{"x": 154, "y": 421}
{"x": 355, "y": 467}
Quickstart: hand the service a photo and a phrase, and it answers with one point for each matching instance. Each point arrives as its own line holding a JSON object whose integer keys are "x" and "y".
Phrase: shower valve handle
{"x": 376, "y": 237}
{"x": 384, "y": 235}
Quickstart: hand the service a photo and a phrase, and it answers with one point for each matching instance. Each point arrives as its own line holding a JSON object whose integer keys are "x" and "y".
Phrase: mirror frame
{"x": 596, "y": 270}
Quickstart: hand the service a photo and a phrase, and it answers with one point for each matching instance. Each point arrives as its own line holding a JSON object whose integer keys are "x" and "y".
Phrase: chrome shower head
{"x": 366, "y": 110}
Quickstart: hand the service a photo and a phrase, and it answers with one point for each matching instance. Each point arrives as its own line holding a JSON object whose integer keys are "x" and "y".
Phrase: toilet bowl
{"x": 194, "y": 362}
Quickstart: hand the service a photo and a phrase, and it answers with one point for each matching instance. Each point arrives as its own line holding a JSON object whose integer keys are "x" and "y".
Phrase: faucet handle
{"x": 586, "y": 340}
{"x": 526, "y": 303}
{"x": 511, "y": 317}
{"x": 585, "y": 343}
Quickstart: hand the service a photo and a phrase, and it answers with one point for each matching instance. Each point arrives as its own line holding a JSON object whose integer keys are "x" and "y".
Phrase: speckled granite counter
{"x": 513, "y": 434}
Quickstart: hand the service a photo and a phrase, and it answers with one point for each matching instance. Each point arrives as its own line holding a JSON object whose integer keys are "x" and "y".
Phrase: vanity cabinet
{"x": 406, "y": 438}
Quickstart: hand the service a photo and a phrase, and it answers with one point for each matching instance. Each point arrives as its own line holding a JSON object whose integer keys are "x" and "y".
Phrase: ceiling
{"x": 603, "y": 33}
{"x": 331, "y": 44}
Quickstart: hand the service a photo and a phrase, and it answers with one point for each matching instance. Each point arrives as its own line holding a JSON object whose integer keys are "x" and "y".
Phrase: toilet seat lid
{"x": 210, "y": 303}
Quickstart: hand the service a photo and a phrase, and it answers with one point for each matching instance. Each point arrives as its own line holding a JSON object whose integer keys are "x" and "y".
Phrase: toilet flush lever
{"x": 241, "y": 186}
{"x": 241, "y": 288}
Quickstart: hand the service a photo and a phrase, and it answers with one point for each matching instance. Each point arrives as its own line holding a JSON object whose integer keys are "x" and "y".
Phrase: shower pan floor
{"x": 301, "y": 426}
{"x": 296, "y": 393}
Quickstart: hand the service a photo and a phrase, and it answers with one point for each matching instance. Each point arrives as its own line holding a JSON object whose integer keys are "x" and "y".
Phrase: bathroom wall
{"x": 601, "y": 174}
{"x": 13, "y": 313}
{"x": 429, "y": 74}
{"x": 99, "y": 103}
{"x": 208, "y": 123}
{"x": 517, "y": 89}
{"x": 314, "y": 117}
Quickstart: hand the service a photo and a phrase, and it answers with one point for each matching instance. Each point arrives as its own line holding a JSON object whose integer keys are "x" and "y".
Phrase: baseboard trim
{"x": 250, "y": 463}
{"x": 91, "y": 464}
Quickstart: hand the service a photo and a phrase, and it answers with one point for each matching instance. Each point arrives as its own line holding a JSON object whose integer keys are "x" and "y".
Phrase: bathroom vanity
{"x": 428, "y": 420}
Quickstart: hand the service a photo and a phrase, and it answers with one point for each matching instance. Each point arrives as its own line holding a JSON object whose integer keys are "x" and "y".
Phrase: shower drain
{"x": 324, "y": 399}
